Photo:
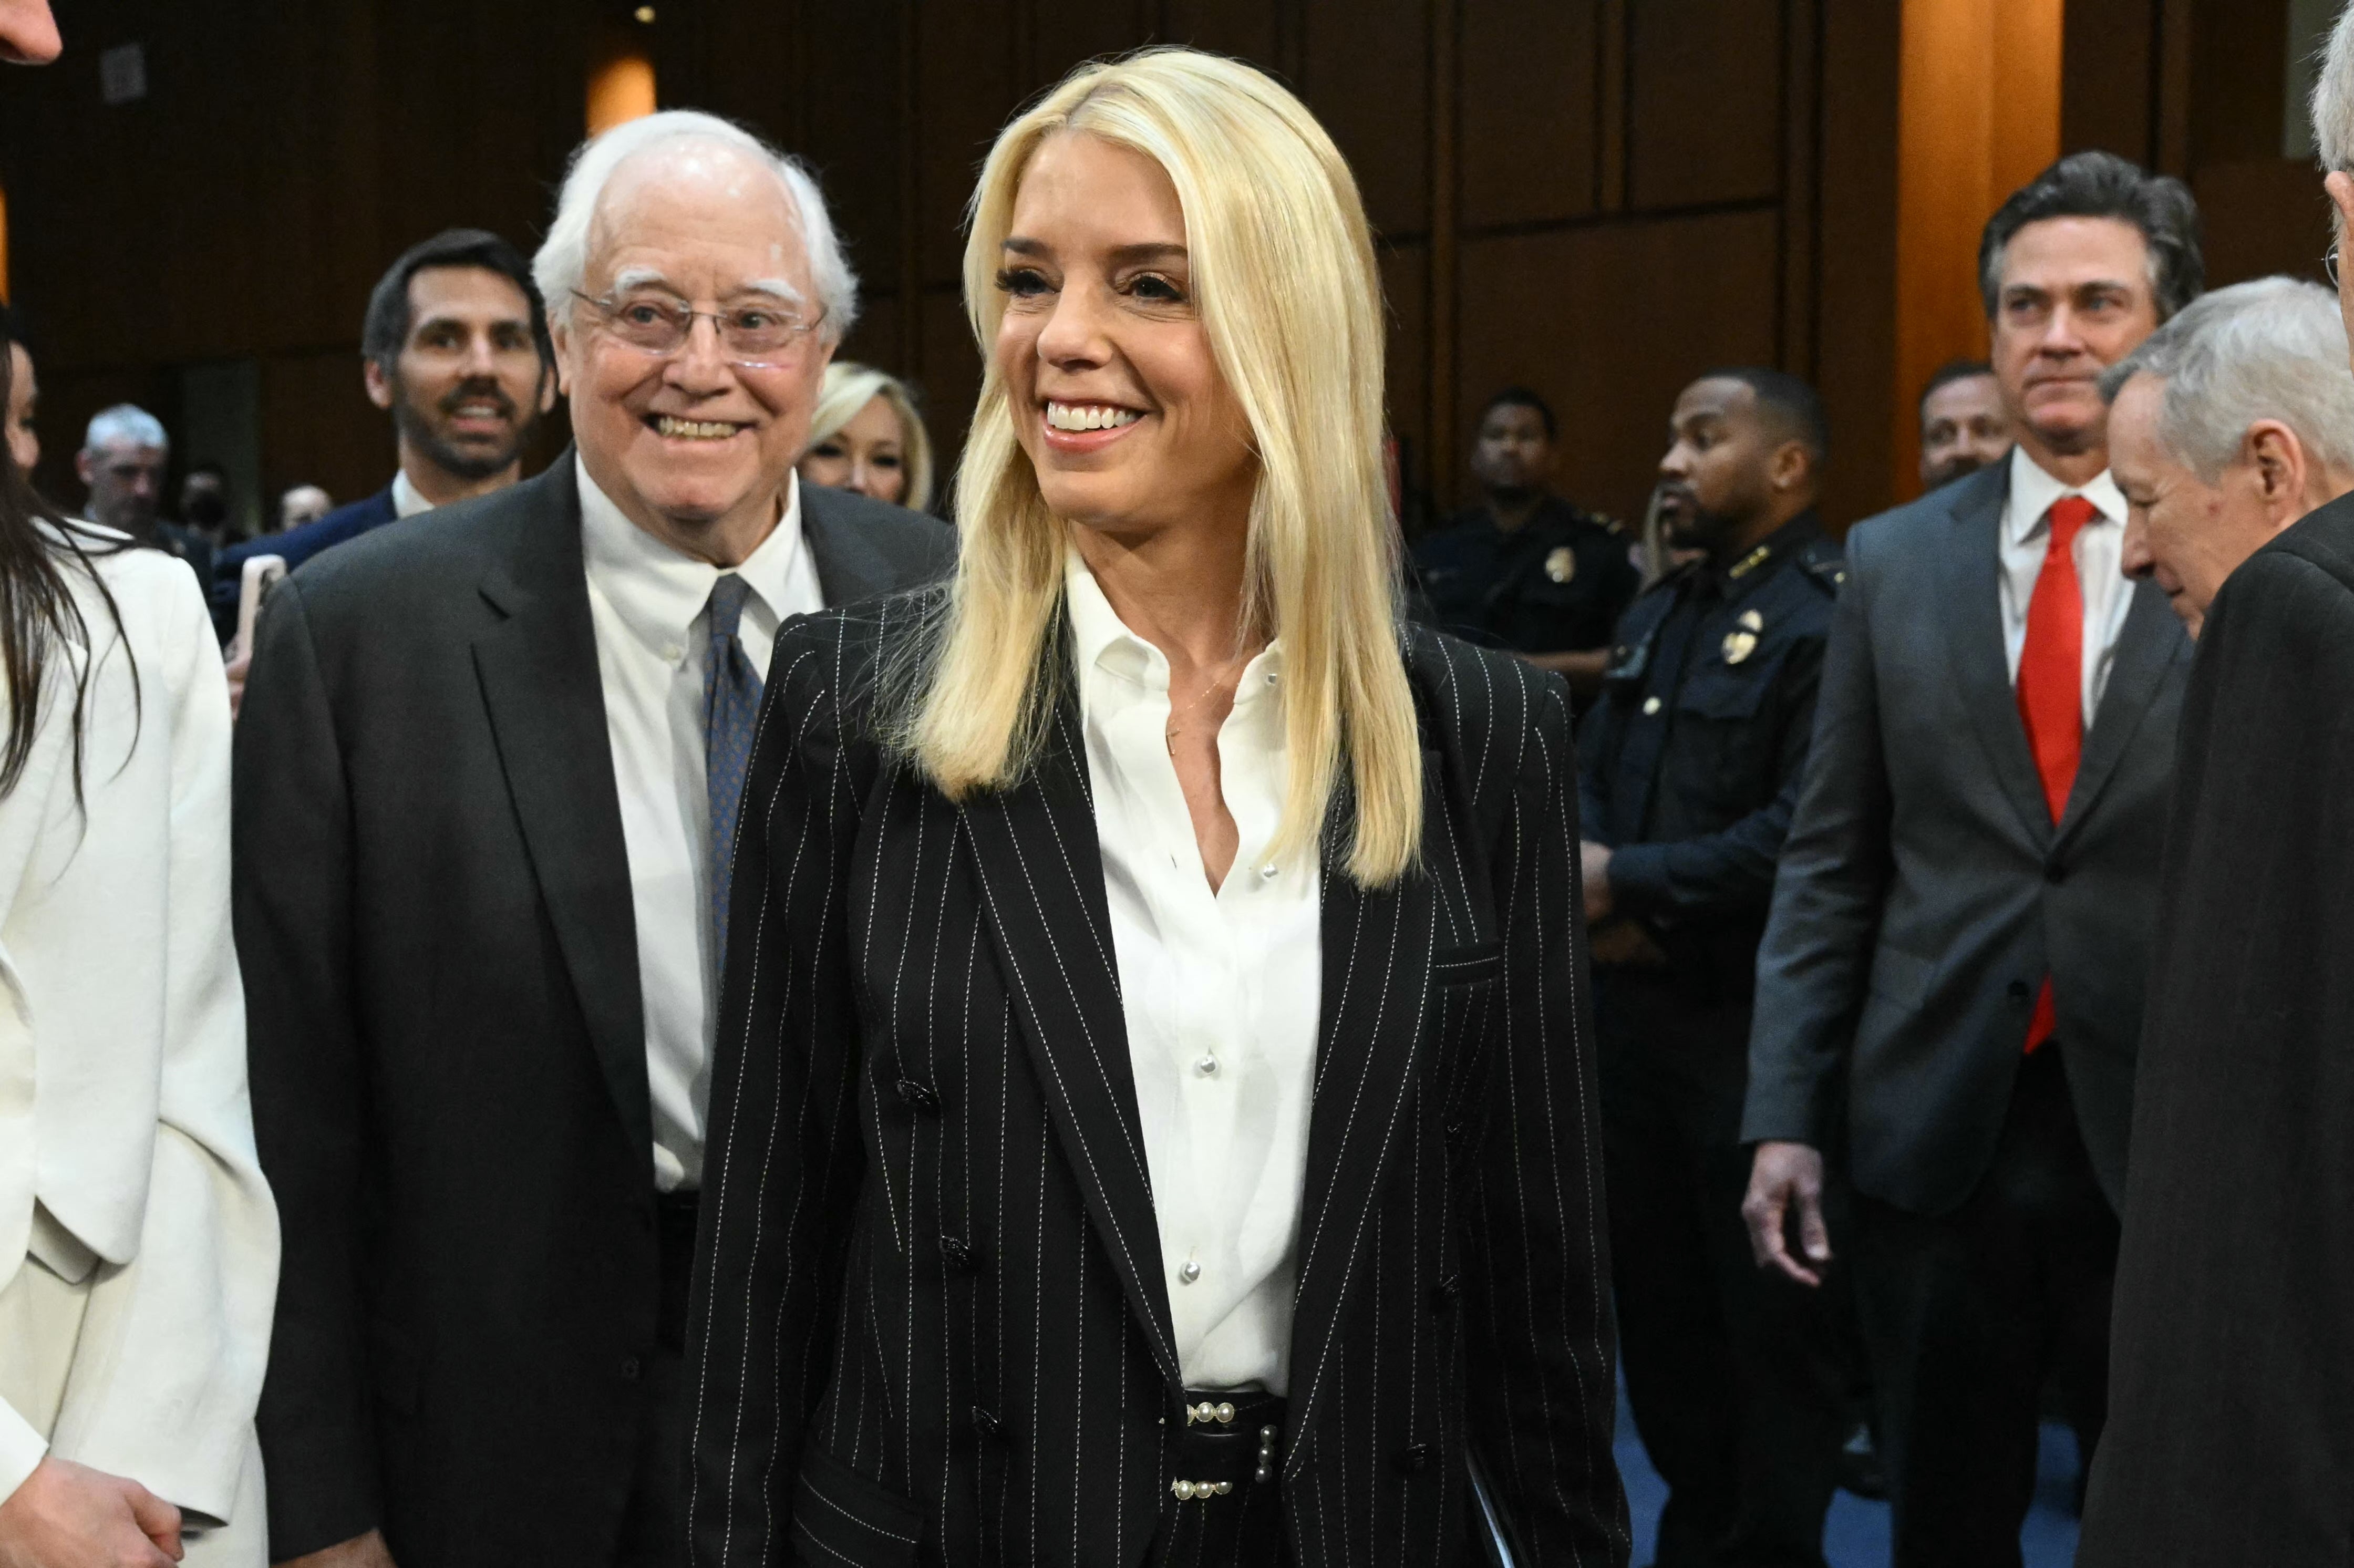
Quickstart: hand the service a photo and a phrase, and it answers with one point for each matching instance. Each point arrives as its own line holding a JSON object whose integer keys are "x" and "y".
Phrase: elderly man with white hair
{"x": 2228, "y": 424}
{"x": 488, "y": 777}
{"x": 2231, "y": 1434}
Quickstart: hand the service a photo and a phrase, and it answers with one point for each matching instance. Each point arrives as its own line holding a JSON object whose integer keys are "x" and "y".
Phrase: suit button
{"x": 631, "y": 1368}
{"x": 987, "y": 1425}
{"x": 2054, "y": 873}
{"x": 921, "y": 1095}
{"x": 2015, "y": 990}
{"x": 1443, "y": 1294}
{"x": 1413, "y": 1459}
{"x": 959, "y": 1255}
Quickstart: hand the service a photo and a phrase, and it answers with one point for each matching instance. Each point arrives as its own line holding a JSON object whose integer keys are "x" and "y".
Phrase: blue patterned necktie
{"x": 731, "y": 704}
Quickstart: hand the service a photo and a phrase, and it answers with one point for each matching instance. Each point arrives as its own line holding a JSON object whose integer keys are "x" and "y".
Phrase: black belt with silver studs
{"x": 1224, "y": 1442}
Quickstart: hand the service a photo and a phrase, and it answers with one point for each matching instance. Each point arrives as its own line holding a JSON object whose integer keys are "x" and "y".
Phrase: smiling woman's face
{"x": 1115, "y": 394}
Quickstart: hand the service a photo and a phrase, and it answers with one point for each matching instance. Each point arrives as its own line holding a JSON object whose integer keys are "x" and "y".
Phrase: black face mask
{"x": 206, "y": 509}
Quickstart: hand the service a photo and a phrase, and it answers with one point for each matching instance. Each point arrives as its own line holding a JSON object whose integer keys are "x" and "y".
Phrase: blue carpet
{"x": 1856, "y": 1533}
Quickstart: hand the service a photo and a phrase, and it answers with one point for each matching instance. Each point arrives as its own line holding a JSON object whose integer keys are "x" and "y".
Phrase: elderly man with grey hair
{"x": 124, "y": 452}
{"x": 488, "y": 775}
{"x": 2228, "y": 424}
{"x": 2231, "y": 1437}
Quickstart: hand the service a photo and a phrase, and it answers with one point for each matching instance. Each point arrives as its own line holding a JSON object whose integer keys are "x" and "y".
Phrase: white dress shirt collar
{"x": 408, "y": 501}
{"x": 658, "y": 591}
{"x": 2098, "y": 555}
{"x": 1101, "y": 641}
{"x": 2033, "y": 490}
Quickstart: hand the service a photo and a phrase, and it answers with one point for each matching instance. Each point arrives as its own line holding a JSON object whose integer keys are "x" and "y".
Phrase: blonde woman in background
{"x": 867, "y": 435}
{"x": 1153, "y": 1115}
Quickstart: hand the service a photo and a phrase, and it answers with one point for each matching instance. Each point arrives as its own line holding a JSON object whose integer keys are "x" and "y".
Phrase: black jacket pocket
{"x": 1462, "y": 965}
{"x": 841, "y": 1516}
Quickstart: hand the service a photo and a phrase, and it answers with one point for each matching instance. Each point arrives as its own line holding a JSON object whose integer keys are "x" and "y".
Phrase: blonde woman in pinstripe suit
{"x": 1152, "y": 1119}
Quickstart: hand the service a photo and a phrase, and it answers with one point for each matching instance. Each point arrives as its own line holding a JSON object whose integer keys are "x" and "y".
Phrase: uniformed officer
{"x": 1689, "y": 768}
{"x": 1524, "y": 570}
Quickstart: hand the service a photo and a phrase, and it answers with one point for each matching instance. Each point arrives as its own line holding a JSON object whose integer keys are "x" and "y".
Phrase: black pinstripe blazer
{"x": 930, "y": 1323}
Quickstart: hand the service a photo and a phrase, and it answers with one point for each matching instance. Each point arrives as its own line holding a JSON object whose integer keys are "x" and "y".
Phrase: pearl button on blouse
{"x": 1220, "y": 990}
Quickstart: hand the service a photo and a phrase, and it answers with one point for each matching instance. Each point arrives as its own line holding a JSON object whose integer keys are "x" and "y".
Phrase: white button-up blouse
{"x": 1220, "y": 990}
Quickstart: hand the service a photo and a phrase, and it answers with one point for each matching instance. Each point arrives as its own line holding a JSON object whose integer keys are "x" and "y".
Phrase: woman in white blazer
{"x": 138, "y": 1243}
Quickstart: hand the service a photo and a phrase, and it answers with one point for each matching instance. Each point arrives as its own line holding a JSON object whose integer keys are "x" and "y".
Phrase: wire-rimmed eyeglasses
{"x": 759, "y": 336}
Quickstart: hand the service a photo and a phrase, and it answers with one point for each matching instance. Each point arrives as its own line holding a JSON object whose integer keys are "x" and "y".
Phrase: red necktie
{"x": 2052, "y": 684}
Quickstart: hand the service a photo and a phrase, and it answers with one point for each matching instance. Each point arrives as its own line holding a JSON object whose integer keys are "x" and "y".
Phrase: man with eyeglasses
{"x": 488, "y": 775}
{"x": 454, "y": 347}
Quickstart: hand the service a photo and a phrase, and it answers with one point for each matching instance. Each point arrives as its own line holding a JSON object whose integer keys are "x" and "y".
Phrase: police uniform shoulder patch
{"x": 1826, "y": 567}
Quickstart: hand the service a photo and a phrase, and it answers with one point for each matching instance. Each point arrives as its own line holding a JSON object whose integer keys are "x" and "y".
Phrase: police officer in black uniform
{"x": 1523, "y": 569}
{"x": 1689, "y": 768}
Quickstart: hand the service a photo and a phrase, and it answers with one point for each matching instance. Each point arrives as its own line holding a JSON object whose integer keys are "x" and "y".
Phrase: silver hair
{"x": 2272, "y": 349}
{"x": 2333, "y": 99}
{"x": 126, "y": 422}
{"x": 563, "y": 258}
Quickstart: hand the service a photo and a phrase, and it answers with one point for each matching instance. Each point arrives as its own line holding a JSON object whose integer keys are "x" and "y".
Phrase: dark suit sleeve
{"x": 292, "y": 870}
{"x": 1541, "y": 1389}
{"x": 784, "y": 1162}
{"x": 2230, "y": 1439}
{"x": 1815, "y": 959}
{"x": 1732, "y": 871}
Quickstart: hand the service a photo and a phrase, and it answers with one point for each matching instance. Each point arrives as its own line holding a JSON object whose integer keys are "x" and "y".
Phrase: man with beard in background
{"x": 1688, "y": 772}
{"x": 455, "y": 346}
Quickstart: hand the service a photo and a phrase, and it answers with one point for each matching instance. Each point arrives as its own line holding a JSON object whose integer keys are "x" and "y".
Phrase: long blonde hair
{"x": 1283, "y": 271}
{"x": 849, "y": 387}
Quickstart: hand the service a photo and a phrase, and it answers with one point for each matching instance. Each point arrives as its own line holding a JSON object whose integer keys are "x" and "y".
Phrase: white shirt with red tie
{"x": 2100, "y": 571}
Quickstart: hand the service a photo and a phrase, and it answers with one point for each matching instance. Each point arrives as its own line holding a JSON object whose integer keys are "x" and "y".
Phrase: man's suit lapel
{"x": 1971, "y": 614}
{"x": 546, "y": 702}
{"x": 1042, "y": 888}
{"x": 2148, "y": 645}
{"x": 850, "y": 566}
{"x": 1377, "y": 1001}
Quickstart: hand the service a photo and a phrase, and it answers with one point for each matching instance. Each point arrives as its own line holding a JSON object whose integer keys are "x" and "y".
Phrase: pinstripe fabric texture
{"x": 928, "y": 1323}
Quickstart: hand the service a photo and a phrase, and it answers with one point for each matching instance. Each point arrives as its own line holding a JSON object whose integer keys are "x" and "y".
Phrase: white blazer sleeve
{"x": 28, "y": 810}
{"x": 172, "y": 1352}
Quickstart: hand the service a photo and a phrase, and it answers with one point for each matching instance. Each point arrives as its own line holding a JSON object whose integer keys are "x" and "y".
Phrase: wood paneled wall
{"x": 1599, "y": 198}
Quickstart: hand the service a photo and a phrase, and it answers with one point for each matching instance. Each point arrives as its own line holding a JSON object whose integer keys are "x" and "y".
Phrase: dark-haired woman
{"x": 138, "y": 1243}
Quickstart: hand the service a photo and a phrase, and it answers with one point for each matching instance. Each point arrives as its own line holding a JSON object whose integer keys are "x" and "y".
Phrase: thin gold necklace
{"x": 1175, "y": 729}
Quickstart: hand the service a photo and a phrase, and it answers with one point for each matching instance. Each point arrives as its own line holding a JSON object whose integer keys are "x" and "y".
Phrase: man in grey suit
{"x": 1950, "y": 988}
{"x": 487, "y": 777}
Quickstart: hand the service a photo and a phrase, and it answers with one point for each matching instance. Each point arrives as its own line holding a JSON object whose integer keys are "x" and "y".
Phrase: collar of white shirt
{"x": 408, "y": 501}
{"x": 1101, "y": 640}
{"x": 2032, "y": 491}
{"x": 658, "y": 591}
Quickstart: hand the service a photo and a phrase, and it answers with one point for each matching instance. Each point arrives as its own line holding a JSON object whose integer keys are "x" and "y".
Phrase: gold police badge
{"x": 1562, "y": 565}
{"x": 1741, "y": 640}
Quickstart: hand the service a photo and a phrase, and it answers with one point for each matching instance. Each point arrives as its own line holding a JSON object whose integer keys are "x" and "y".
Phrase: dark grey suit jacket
{"x": 449, "y": 1063}
{"x": 1923, "y": 892}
